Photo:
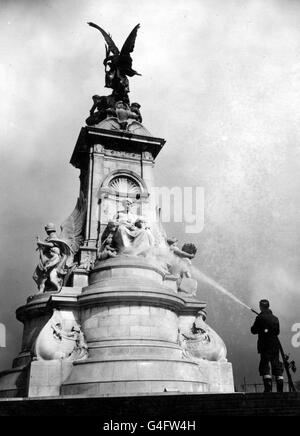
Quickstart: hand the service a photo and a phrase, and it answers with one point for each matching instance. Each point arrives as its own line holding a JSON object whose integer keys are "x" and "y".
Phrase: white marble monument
{"x": 116, "y": 310}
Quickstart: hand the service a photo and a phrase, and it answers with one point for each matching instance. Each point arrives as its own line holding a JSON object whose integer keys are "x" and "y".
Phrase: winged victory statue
{"x": 57, "y": 253}
{"x": 118, "y": 67}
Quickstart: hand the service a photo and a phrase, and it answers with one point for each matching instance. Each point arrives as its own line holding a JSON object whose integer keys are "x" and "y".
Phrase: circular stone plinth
{"x": 127, "y": 376}
{"x": 126, "y": 266}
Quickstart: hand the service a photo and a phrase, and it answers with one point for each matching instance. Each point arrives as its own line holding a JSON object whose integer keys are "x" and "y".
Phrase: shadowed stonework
{"x": 143, "y": 409}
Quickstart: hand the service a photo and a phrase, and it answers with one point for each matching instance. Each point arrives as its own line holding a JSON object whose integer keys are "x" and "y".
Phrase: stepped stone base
{"x": 130, "y": 316}
{"x": 134, "y": 376}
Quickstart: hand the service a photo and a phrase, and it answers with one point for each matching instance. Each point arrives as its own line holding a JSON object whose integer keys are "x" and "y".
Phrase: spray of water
{"x": 197, "y": 274}
{"x": 163, "y": 254}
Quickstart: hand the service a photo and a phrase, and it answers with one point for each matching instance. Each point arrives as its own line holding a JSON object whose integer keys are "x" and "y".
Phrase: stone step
{"x": 168, "y": 405}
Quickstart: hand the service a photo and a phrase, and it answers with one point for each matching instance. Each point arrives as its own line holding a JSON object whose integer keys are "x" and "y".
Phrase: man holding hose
{"x": 266, "y": 325}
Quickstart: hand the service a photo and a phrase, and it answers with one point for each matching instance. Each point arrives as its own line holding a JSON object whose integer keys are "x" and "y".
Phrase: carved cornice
{"x": 114, "y": 140}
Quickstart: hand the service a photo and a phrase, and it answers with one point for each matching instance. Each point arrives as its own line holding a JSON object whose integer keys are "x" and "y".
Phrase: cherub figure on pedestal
{"x": 180, "y": 264}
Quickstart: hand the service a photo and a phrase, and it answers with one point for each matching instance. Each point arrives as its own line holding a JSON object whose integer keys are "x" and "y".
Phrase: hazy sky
{"x": 220, "y": 82}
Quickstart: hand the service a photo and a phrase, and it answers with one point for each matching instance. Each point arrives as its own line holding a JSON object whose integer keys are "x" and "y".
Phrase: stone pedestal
{"x": 219, "y": 376}
{"x": 130, "y": 315}
{"x": 46, "y": 377}
{"x": 136, "y": 322}
{"x": 130, "y": 318}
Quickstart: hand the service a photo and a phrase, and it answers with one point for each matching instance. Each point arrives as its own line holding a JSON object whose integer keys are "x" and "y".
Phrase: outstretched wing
{"x": 111, "y": 45}
{"x": 72, "y": 227}
{"x": 128, "y": 46}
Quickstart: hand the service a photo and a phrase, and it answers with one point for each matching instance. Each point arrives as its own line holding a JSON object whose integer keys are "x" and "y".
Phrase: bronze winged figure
{"x": 118, "y": 64}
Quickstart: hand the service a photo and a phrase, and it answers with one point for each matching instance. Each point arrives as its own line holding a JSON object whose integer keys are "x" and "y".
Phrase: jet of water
{"x": 164, "y": 254}
{"x": 199, "y": 275}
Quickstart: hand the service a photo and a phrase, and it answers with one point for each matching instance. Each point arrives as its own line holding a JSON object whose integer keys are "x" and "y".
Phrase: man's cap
{"x": 136, "y": 105}
{"x": 264, "y": 303}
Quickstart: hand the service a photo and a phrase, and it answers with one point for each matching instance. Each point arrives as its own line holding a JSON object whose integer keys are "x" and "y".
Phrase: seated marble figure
{"x": 127, "y": 234}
